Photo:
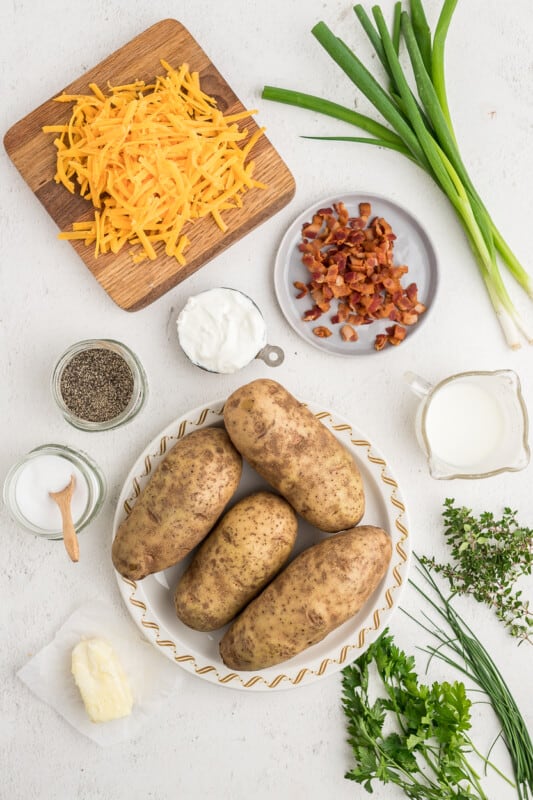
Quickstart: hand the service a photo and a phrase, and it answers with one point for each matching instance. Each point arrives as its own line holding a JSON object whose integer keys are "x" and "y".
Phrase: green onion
{"x": 420, "y": 128}
{"x": 458, "y": 646}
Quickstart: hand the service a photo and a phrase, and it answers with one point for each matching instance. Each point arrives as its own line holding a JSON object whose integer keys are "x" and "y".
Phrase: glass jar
{"x": 48, "y": 468}
{"x": 125, "y": 412}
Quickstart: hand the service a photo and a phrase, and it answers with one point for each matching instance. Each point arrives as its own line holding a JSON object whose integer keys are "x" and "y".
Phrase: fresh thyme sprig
{"x": 426, "y": 751}
{"x": 488, "y": 556}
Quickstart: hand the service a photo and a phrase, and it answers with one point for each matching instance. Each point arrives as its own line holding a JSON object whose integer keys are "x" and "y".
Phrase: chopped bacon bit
{"x": 412, "y": 292}
{"x": 321, "y": 301}
{"x": 351, "y": 263}
{"x": 312, "y": 314}
{"x": 409, "y": 318}
{"x": 312, "y": 229}
{"x": 375, "y": 305}
{"x": 349, "y": 334}
{"x": 396, "y": 334}
{"x": 322, "y": 332}
{"x": 342, "y": 213}
{"x": 380, "y": 341}
{"x": 302, "y": 289}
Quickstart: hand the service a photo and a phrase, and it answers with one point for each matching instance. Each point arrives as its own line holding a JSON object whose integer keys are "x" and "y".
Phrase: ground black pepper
{"x": 96, "y": 384}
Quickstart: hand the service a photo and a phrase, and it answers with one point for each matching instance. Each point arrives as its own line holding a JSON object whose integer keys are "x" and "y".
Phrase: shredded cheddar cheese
{"x": 152, "y": 158}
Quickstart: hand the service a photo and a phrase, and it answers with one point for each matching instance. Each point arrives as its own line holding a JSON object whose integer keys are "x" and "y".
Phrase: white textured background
{"x": 211, "y": 743}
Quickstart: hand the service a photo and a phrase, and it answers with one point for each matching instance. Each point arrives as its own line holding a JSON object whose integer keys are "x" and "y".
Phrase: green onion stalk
{"x": 420, "y": 128}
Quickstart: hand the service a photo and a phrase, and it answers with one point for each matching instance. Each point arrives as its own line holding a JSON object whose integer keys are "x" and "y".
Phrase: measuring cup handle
{"x": 418, "y": 385}
{"x": 272, "y": 355}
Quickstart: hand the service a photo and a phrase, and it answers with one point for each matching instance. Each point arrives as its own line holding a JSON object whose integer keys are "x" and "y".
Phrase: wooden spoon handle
{"x": 70, "y": 538}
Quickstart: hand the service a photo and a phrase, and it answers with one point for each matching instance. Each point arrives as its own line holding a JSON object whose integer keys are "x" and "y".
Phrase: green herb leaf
{"x": 425, "y": 752}
{"x": 488, "y": 556}
{"x": 458, "y": 646}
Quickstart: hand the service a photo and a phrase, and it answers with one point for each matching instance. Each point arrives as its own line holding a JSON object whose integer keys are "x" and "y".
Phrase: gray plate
{"x": 412, "y": 247}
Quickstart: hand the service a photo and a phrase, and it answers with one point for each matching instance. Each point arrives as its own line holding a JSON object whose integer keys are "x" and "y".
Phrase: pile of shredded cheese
{"x": 151, "y": 158}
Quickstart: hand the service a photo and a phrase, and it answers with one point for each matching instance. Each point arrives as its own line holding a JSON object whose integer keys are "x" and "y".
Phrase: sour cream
{"x": 221, "y": 330}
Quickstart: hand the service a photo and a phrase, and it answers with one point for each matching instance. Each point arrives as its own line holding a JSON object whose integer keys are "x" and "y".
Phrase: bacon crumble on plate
{"x": 351, "y": 264}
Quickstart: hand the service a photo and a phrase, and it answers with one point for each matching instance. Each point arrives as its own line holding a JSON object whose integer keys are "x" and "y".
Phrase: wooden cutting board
{"x": 131, "y": 286}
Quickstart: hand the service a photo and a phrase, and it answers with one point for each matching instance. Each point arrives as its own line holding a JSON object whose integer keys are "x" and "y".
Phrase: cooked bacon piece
{"x": 412, "y": 293}
{"x": 343, "y": 312}
{"x": 321, "y": 301}
{"x": 349, "y": 334}
{"x": 380, "y": 341}
{"x": 311, "y": 229}
{"x": 395, "y": 334}
{"x": 322, "y": 332}
{"x": 312, "y": 314}
{"x": 342, "y": 213}
{"x": 302, "y": 289}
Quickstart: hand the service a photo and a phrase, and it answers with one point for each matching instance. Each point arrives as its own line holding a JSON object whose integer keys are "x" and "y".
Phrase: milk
{"x": 471, "y": 425}
{"x": 464, "y": 423}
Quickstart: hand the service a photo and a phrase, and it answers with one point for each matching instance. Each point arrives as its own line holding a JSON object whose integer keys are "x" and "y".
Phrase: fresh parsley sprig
{"x": 488, "y": 556}
{"x": 425, "y": 751}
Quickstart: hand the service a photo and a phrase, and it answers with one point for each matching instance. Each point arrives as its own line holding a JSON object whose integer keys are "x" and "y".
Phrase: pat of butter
{"x": 102, "y": 682}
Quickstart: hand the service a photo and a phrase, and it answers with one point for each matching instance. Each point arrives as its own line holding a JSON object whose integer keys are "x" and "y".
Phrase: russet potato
{"x": 319, "y": 590}
{"x": 247, "y": 548}
{"x": 182, "y": 501}
{"x": 301, "y": 458}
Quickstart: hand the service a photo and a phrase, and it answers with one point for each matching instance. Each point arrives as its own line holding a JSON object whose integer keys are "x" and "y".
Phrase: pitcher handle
{"x": 418, "y": 385}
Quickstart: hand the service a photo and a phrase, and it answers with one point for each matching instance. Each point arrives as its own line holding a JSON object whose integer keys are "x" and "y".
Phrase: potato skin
{"x": 249, "y": 545}
{"x": 179, "y": 505}
{"x": 319, "y": 590}
{"x": 285, "y": 443}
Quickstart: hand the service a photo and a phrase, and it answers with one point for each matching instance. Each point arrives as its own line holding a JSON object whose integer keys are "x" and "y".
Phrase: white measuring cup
{"x": 472, "y": 425}
{"x": 222, "y": 330}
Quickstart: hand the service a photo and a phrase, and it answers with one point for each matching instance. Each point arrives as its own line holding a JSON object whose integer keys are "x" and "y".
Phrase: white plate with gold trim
{"x": 150, "y": 601}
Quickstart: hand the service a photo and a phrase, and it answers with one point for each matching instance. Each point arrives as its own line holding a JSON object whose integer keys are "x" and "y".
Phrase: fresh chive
{"x": 458, "y": 646}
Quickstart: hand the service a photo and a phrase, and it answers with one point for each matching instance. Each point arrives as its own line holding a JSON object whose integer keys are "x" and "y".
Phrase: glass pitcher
{"x": 472, "y": 425}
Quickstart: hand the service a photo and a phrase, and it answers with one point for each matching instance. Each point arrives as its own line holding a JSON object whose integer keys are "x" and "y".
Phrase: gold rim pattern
{"x": 141, "y": 613}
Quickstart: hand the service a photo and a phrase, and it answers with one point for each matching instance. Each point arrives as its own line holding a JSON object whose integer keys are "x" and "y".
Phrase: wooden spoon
{"x": 63, "y": 499}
